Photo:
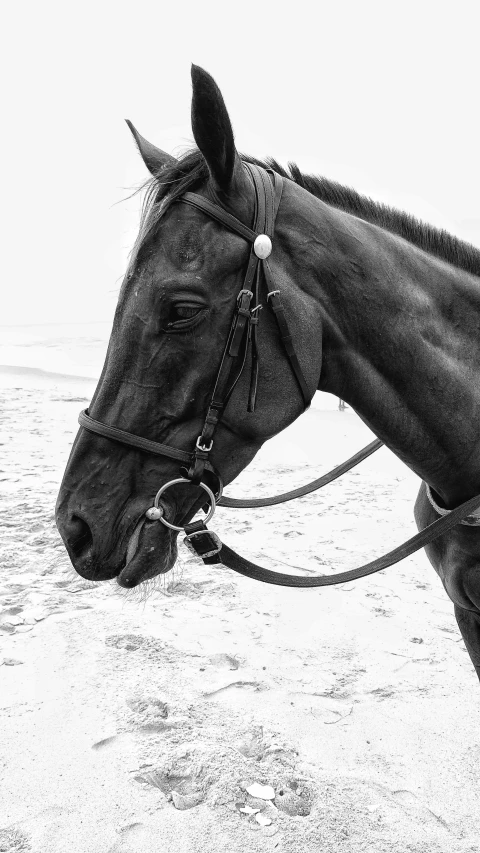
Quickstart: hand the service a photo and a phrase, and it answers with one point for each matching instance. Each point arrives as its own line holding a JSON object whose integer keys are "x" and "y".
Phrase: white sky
{"x": 382, "y": 96}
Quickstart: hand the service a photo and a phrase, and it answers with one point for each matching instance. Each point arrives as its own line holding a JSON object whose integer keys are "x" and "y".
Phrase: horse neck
{"x": 400, "y": 345}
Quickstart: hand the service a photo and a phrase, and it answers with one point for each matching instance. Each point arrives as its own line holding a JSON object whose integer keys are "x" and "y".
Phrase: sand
{"x": 137, "y": 723}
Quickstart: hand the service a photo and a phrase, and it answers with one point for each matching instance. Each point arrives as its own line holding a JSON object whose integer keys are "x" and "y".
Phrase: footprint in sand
{"x": 181, "y": 780}
{"x": 153, "y": 714}
{"x": 129, "y": 642}
{"x": 149, "y": 707}
{"x": 224, "y": 661}
{"x": 251, "y": 743}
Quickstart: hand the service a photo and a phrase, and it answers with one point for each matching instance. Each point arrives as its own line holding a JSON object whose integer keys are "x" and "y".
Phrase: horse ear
{"x": 154, "y": 158}
{"x": 212, "y": 131}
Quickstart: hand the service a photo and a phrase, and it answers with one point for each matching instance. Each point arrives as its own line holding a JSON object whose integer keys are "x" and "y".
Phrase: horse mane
{"x": 190, "y": 171}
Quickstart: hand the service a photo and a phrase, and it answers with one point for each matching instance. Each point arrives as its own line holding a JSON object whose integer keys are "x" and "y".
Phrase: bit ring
{"x": 173, "y": 483}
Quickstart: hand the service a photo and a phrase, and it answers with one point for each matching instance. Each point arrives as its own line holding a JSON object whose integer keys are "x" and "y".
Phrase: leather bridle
{"x": 241, "y": 339}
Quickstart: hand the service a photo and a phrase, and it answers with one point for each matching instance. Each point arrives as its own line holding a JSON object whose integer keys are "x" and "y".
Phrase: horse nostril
{"x": 79, "y": 536}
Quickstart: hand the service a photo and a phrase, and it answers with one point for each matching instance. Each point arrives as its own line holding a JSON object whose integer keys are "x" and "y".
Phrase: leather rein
{"x": 241, "y": 340}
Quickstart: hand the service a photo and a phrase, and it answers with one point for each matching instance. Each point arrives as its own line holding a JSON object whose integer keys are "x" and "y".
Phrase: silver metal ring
{"x": 184, "y": 480}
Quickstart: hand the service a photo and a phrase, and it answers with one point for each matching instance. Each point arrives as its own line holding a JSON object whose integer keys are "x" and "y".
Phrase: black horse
{"x": 384, "y": 312}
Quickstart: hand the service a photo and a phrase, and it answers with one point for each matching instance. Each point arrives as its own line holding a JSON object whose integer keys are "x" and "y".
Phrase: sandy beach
{"x": 140, "y": 721}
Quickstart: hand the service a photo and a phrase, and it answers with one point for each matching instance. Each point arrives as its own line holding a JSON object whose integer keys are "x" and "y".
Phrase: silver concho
{"x": 262, "y": 246}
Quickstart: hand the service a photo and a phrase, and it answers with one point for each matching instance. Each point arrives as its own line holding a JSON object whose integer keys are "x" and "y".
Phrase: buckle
{"x": 206, "y": 548}
{"x": 245, "y": 293}
{"x": 272, "y": 293}
{"x": 203, "y": 446}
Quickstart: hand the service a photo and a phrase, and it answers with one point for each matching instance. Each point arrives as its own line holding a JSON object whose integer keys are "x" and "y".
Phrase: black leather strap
{"x": 239, "y": 564}
{"x": 214, "y": 211}
{"x": 286, "y": 337}
{"x": 130, "y": 439}
{"x": 245, "y": 503}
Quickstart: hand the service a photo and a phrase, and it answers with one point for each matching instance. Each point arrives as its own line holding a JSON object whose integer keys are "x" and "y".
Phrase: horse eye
{"x": 183, "y": 312}
{"x": 180, "y": 315}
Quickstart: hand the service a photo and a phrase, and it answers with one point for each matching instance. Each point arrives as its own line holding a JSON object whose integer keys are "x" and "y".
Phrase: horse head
{"x": 168, "y": 338}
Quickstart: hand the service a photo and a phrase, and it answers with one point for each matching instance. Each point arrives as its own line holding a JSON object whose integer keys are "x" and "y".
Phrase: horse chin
{"x": 148, "y": 554}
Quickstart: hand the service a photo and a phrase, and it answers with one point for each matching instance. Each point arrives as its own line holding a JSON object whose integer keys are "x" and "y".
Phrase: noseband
{"x": 242, "y": 338}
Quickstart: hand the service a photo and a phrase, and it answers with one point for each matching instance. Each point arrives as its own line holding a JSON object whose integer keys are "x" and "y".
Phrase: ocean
{"x": 74, "y": 349}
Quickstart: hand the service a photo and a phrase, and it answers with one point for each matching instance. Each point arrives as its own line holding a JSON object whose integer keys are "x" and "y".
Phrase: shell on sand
{"x": 263, "y": 792}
